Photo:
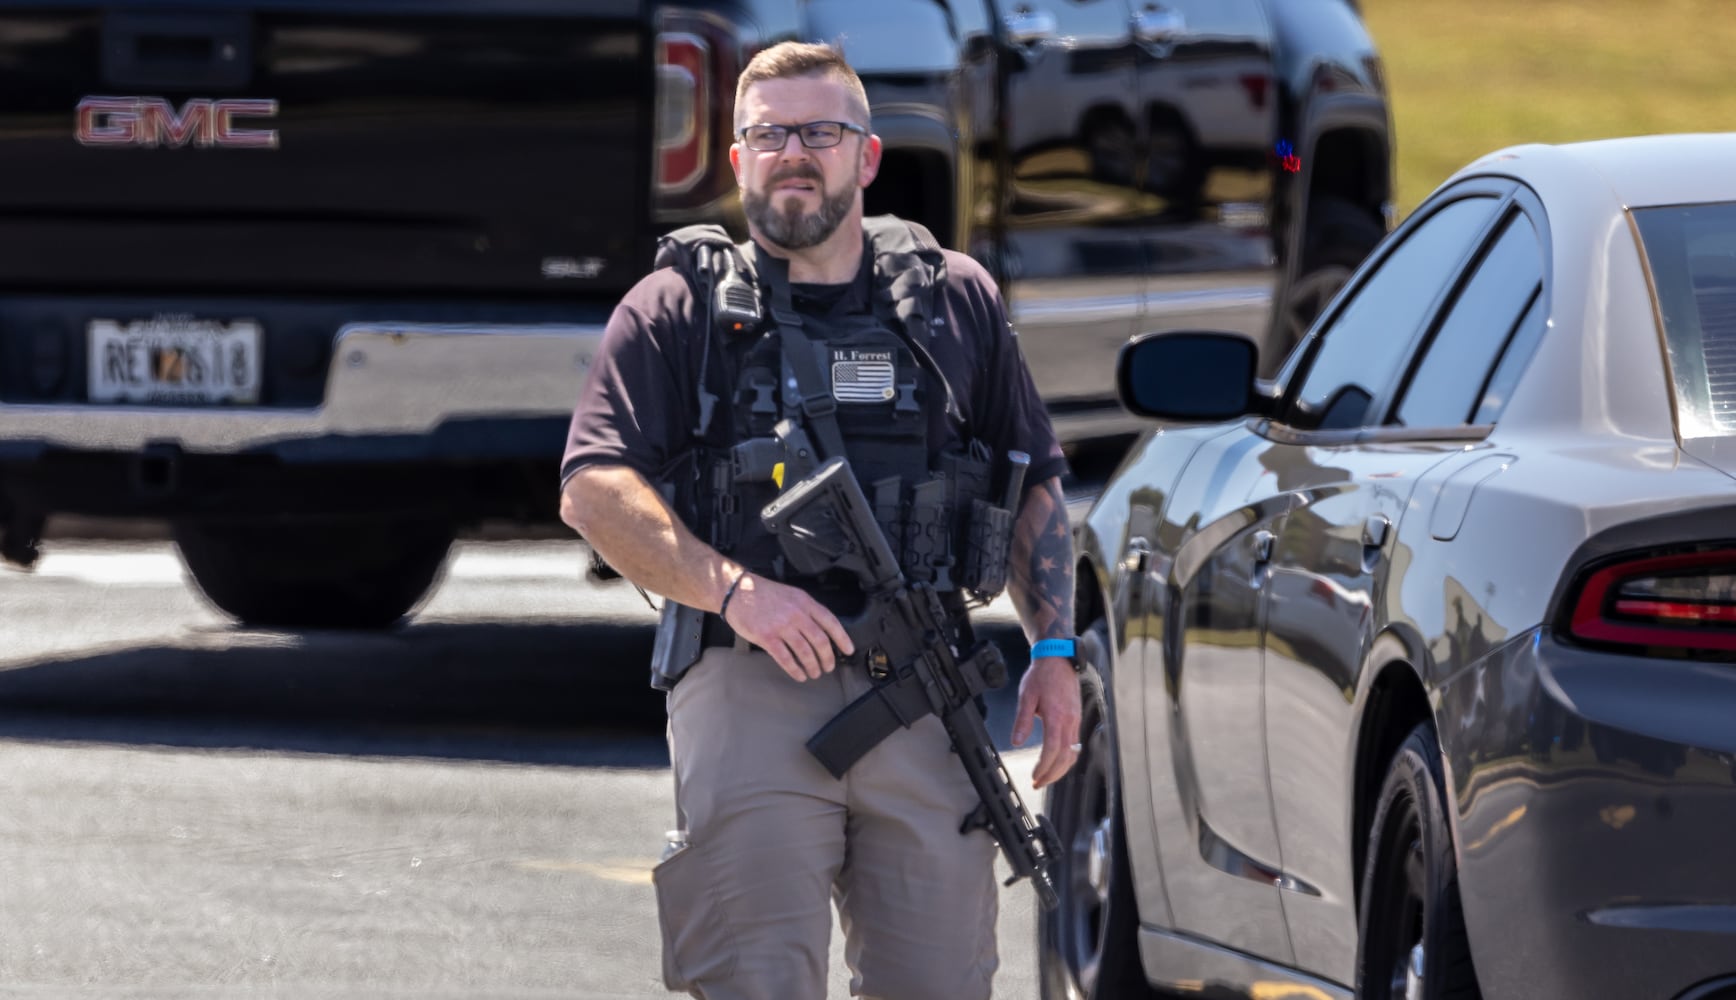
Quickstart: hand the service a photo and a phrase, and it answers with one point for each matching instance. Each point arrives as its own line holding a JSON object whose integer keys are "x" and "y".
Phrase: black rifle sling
{"x": 805, "y": 389}
{"x": 707, "y": 399}
{"x": 908, "y": 273}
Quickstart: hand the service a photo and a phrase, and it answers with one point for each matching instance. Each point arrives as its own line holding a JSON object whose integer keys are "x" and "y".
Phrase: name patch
{"x": 862, "y": 376}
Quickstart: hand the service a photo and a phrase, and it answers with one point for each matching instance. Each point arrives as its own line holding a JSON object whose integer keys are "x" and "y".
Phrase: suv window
{"x": 1449, "y": 381}
{"x": 1360, "y": 352}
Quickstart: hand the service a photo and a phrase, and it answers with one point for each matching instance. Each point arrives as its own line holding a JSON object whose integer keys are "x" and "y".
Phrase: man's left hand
{"x": 1050, "y": 691}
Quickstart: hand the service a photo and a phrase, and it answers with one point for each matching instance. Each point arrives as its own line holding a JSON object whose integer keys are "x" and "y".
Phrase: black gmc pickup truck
{"x": 317, "y": 281}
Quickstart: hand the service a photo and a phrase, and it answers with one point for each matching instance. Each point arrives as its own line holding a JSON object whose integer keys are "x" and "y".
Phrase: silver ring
{"x": 1077, "y": 747}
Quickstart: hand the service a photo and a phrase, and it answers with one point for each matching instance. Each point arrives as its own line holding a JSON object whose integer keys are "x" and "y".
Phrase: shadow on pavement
{"x": 552, "y": 693}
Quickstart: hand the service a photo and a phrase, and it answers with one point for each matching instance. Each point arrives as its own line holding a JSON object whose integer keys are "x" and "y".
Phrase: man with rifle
{"x": 820, "y": 447}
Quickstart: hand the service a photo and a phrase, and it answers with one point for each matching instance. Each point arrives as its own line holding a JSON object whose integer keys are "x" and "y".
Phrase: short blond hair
{"x": 788, "y": 59}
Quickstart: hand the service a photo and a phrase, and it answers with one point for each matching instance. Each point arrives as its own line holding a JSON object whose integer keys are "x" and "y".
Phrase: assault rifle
{"x": 824, "y": 523}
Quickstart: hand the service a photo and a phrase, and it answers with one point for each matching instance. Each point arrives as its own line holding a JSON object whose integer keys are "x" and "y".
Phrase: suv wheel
{"x": 1087, "y": 947}
{"x": 1412, "y": 942}
{"x": 331, "y": 572}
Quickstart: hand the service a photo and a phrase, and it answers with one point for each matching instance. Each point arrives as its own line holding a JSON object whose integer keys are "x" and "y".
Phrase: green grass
{"x": 1470, "y": 76}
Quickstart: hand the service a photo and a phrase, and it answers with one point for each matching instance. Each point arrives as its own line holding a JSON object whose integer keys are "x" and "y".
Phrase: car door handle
{"x": 1158, "y": 25}
{"x": 1374, "y": 531}
{"x": 1263, "y": 540}
{"x": 1138, "y": 552}
{"x": 1028, "y": 26}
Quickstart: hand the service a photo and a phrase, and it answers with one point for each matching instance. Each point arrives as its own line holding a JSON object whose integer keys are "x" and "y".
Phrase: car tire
{"x": 1340, "y": 234}
{"x": 1087, "y": 946}
{"x": 338, "y": 572}
{"x": 1412, "y": 943}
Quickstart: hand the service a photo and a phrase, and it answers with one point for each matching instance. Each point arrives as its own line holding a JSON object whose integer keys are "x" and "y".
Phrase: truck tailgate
{"x": 475, "y": 147}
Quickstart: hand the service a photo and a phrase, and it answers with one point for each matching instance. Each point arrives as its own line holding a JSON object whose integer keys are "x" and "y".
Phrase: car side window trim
{"x": 1284, "y": 434}
{"x": 1296, "y": 370}
{"x": 1520, "y": 200}
{"x": 1380, "y": 409}
{"x": 1442, "y": 307}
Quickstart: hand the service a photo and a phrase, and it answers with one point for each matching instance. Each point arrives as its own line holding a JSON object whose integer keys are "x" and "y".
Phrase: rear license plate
{"x": 174, "y": 359}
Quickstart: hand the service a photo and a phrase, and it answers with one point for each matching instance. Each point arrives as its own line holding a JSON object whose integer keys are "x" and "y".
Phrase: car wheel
{"x": 348, "y": 573}
{"x": 1412, "y": 941}
{"x": 1340, "y": 235}
{"x": 1087, "y": 946}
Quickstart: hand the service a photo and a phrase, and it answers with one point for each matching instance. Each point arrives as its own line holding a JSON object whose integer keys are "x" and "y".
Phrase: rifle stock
{"x": 824, "y": 523}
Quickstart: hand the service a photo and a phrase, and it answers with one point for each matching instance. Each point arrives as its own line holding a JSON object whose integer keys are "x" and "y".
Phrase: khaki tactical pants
{"x": 773, "y": 839}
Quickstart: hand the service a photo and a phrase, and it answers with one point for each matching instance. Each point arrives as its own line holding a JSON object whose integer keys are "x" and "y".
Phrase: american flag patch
{"x": 862, "y": 381}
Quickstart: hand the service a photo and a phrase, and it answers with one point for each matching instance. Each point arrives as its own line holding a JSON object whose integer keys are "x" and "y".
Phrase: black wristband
{"x": 724, "y": 610}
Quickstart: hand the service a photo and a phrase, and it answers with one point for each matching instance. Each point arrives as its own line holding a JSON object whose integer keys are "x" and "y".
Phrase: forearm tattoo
{"x": 1042, "y": 564}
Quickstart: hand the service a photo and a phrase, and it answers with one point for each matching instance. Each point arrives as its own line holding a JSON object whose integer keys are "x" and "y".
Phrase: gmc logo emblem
{"x": 153, "y": 122}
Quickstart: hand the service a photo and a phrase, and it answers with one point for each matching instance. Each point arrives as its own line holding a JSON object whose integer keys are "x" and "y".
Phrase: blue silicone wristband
{"x": 1052, "y": 647}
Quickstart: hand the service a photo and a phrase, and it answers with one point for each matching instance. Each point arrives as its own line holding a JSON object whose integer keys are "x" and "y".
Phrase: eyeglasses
{"x": 814, "y": 135}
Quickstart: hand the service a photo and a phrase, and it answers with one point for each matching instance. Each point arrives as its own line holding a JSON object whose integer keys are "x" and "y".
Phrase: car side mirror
{"x": 1191, "y": 376}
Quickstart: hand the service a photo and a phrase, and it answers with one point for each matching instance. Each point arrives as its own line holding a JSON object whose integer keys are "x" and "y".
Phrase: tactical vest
{"x": 860, "y": 380}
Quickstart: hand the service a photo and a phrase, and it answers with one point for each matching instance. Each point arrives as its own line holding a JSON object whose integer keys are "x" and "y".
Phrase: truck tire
{"x": 340, "y": 573}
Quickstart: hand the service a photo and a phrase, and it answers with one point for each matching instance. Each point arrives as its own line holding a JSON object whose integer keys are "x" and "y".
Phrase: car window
{"x": 1360, "y": 351}
{"x": 1447, "y": 383}
{"x": 1691, "y": 253}
{"x": 1513, "y": 361}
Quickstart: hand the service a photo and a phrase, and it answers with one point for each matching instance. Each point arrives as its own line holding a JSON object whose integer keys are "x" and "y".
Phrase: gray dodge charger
{"x": 1420, "y": 658}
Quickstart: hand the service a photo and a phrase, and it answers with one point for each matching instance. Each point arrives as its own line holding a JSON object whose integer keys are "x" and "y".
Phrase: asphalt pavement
{"x": 466, "y": 806}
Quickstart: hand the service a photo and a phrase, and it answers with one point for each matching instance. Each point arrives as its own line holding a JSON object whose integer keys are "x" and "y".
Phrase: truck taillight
{"x": 685, "y": 110}
{"x": 1684, "y": 602}
{"x": 699, "y": 55}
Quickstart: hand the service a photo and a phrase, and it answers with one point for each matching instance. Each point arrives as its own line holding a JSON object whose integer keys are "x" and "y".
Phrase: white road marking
{"x": 128, "y": 567}
{"x": 159, "y": 563}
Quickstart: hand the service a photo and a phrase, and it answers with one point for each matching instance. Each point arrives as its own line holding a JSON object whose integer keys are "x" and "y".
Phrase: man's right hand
{"x": 798, "y": 631}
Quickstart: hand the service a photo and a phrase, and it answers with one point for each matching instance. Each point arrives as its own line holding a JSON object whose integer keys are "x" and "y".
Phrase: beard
{"x": 790, "y": 227}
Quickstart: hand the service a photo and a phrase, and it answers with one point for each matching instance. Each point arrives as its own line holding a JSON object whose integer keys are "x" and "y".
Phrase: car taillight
{"x": 685, "y": 110}
{"x": 1683, "y": 602}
